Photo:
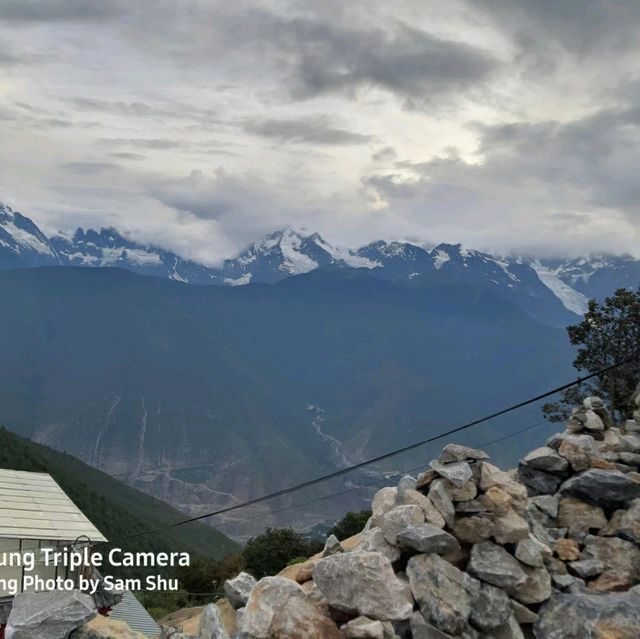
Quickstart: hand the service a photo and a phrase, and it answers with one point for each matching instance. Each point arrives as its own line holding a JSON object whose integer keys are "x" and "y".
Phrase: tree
{"x": 269, "y": 553}
{"x": 608, "y": 334}
{"x": 351, "y": 524}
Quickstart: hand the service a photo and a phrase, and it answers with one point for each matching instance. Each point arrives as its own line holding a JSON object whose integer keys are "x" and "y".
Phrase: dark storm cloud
{"x": 305, "y": 130}
{"x": 326, "y": 58}
{"x": 60, "y": 10}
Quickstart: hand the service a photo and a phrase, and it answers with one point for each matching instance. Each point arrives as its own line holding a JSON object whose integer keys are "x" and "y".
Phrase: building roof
{"x": 135, "y": 615}
{"x": 33, "y": 506}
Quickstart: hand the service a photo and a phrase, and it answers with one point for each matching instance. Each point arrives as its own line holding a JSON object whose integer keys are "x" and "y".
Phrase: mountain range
{"x": 553, "y": 290}
{"x": 204, "y": 396}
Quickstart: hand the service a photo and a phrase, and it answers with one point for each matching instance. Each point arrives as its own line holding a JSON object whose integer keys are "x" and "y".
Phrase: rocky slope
{"x": 550, "y": 550}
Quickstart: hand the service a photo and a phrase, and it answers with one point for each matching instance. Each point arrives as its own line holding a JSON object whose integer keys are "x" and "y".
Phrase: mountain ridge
{"x": 536, "y": 284}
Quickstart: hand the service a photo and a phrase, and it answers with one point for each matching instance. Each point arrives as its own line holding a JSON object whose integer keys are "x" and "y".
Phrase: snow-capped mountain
{"x": 108, "y": 248}
{"x": 553, "y": 290}
{"x": 22, "y": 243}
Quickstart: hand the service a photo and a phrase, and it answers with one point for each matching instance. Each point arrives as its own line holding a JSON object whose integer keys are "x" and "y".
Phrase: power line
{"x": 343, "y": 471}
{"x": 367, "y": 485}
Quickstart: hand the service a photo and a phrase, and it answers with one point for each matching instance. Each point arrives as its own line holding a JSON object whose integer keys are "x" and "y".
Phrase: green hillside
{"x": 115, "y": 509}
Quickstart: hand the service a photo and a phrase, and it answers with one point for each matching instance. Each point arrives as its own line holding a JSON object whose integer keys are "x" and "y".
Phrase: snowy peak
{"x": 22, "y": 243}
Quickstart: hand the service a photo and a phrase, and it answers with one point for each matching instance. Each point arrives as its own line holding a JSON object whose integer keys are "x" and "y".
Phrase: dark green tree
{"x": 269, "y": 553}
{"x": 351, "y": 524}
{"x": 608, "y": 334}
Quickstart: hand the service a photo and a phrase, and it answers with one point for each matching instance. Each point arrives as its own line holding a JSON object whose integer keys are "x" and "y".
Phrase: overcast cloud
{"x": 508, "y": 125}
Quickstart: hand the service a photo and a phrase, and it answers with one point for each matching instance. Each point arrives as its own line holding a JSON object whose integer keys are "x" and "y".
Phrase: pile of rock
{"x": 466, "y": 550}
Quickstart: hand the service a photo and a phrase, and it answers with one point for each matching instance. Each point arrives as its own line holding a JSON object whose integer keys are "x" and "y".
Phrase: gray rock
{"x": 576, "y": 514}
{"x": 298, "y": 617}
{"x": 211, "y": 626}
{"x": 546, "y": 459}
{"x": 586, "y": 568}
{"x": 332, "y": 546}
{"x": 562, "y": 582}
{"x": 523, "y": 614}
{"x": 510, "y": 527}
{"x": 548, "y": 504}
{"x": 427, "y": 538}
{"x": 593, "y": 421}
{"x": 238, "y": 589}
{"x": 444, "y": 593}
{"x": 440, "y": 499}
{"x": 48, "y": 615}
{"x": 431, "y": 513}
{"x": 471, "y": 507}
{"x": 621, "y": 561}
{"x": 491, "y": 609}
{"x": 398, "y": 519}
{"x": 510, "y": 630}
{"x": 456, "y": 453}
{"x": 606, "y": 488}
{"x": 625, "y": 523}
{"x": 363, "y": 583}
{"x": 383, "y": 501}
{"x": 587, "y": 616}
{"x": 374, "y": 541}
{"x": 422, "y": 629}
{"x": 495, "y": 565}
{"x": 532, "y": 552}
{"x": 458, "y": 473}
{"x": 538, "y": 482}
{"x": 631, "y": 459}
{"x": 407, "y": 482}
{"x": 535, "y": 589}
{"x": 267, "y": 597}
{"x": 474, "y": 529}
{"x": 363, "y": 628}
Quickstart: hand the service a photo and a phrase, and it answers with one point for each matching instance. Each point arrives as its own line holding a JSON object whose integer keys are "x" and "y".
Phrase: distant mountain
{"x": 117, "y": 510}
{"x": 553, "y": 290}
{"x": 203, "y": 396}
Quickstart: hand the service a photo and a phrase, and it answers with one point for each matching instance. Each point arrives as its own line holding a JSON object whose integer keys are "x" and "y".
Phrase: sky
{"x": 510, "y": 126}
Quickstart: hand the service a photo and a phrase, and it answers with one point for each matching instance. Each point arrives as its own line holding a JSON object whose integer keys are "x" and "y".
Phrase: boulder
{"x": 625, "y": 523}
{"x": 407, "y": 482}
{"x": 430, "y": 512}
{"x": 466, "y": 492}
{"x": 332, "y": 546}
{"x": 426, "y": 538}
{"x": 547, "y": 504}
{"x": 576, "y": 514}
{"x": 490, "y": 609}
{"x": 383, "y": 501}
{"x": 567, "y": 549}
{"x": 606, "y": 488}
{"x": 474, "y": 529}
{"x": 363, "y": 628}
{"x": 374, "y": 541}
{"x": 456, "y": 453}
{"x": 510, "y": 527}
{"x": 579, "y": 450}
{"x": 590, "y": 616}
{"x": 492, "y": 476}
{"x": 444, "y": 593}
{"x": 546, "y": 459}
{"x": 398, "y": 519}
{"x": 494, "y": 565}
{"x": 458, "y": 473}
{"x": 440, "y": 499}
{"x": 523, "y": 614}
{"x": 510, "y": 630}
{"x": 497, "y": 500}
{"x": 300, "y": 619}
{"x": 621, "y": 561}
{"x": 267, "y": 597}
{"x": 422, "y": 629}
{"x": 586, "y": 568}
{"x": 238, "y": 589}
{"x": 538, "y": 481}
{"x": 532, "y": 552}
{"x": 211, "y": 626}
{"x": 535, "y": 589}
{"x": 48, "y": 615}
{"x": 363, "y": 583}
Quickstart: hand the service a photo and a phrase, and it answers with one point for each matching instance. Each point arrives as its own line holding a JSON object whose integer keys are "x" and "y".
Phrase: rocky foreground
{"x": 465, "y": 550}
